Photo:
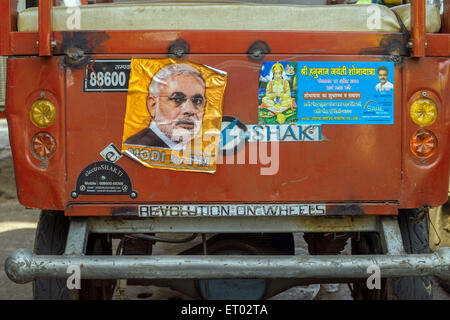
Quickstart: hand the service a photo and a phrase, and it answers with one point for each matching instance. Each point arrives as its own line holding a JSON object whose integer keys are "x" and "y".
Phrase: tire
{"x": 51, "y": 237}
{"x": 414, "y": 228}
{"x": 97, "y": 289}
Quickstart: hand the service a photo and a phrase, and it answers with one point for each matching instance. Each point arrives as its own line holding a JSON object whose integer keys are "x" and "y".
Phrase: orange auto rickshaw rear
{"x": 229, "y": 127}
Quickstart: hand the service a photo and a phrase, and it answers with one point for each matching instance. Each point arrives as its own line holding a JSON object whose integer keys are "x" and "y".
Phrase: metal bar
{"x": 438, "y": 45}
{"x": 220, "y": 42}
{"x": 77, "y": 237}
{"x": 22, "y": 266}
{"x": 233, "y": 224}
{"x": 391, "y": 235}
{"x": 8, "y": 10}
{"x": 45, "y": 28}
{"x": 418, "y": 15}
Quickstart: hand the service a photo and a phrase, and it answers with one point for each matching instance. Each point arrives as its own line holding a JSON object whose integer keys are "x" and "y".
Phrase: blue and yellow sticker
{"x": 326, "y": 92}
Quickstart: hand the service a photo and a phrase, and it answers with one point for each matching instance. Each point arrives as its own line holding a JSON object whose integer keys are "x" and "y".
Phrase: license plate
{"x": 107, "y": 76}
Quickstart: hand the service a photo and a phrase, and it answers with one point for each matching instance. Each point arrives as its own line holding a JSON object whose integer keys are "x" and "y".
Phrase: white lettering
{"x": 74, "y": 280}
{"x": 73, "y": 22}
{"x": 373, "y": 17}
{"x": 374, "y": 280}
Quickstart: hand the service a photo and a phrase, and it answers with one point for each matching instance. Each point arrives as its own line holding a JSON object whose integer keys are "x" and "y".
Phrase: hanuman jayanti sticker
{"x": 326, "y": 92}
{"x": 174, "y": 114}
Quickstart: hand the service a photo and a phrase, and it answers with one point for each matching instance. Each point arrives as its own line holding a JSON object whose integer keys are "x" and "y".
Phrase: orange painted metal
{"x": 374, "y": 162}
{"x": 446, "y": 17}
{"x": 306, "y": 172}
{"x": 39, "y": 184}
{"x": 45, "y": 28}
{"x": 418, "y": 28}
{"x": 367, "y": 165}
{"x": 429, "y": 77}
{"x": 130, "y": 42}
{"x": 8, "y": 23}
{"x": 204, "y": 41}
{"x": 438, "y": 45}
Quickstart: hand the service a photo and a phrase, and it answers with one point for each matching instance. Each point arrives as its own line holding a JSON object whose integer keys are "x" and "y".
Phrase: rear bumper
{"x": 22, "y": 266}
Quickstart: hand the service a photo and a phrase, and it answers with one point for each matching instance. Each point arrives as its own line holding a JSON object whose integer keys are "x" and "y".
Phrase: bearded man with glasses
{"x": 176, "y": 103}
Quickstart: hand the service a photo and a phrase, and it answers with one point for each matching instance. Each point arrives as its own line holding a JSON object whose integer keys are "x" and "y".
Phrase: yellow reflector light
{"x": 423, "y": 111}
{"x": 423, "y": 143}
{"x": 43, "y": 145}
{"x": 43, "y": 113}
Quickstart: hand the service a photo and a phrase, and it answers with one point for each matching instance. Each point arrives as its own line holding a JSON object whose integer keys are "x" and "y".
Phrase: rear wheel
{"x": 51, "y": 237}
{"x": 414, "y": 230}
{"x": 98, "y": 244}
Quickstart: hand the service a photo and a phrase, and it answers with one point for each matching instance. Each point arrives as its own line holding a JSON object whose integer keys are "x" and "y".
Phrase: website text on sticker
{"x": 174, "y": 114}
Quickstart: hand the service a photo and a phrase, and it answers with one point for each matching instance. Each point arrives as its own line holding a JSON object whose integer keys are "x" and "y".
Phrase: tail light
{"x": 423, "y": 112}
{"x": 423, "y": 143}
{"x": 42, "y": 113}
{"x": 43, "y": 145}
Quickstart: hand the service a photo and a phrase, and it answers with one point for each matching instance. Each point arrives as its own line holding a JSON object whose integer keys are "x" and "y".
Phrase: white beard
{"x": 177, "y": 135}
{"x": 182, "y": 135}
